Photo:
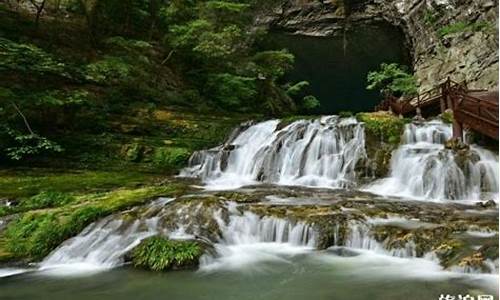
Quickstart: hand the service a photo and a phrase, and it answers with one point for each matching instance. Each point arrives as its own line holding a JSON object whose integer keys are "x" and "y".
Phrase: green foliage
{"x": 273, "y": 64}
{"x": 160, "y": 254}
{"x": 170, "y": 158}
{"x": 345, "y": 114}
{"x": 201, "y": 38}
{"x": 392, "y": 78}
{"x": 47, "y": 199}
{"x": 447, "y": 117}
{"x": 431, "y": 16}
{"x": 387, "y": 127}
{"x": 82, "y": 217}
{"x": 108, "y": 70}
{"x": 310, "y": 102}
{"x": 34, "y": 235}
{"x": 231, "y": 91}
{"x": 59, "y": 98}
{"x": 461, "y": 26}
{"x": 296, "y": 89}
{"x": 29, "y": 145}
{"x": 29, "y": 59}
{"x": 128, "y": 45}
{"x": 27, "y": 183}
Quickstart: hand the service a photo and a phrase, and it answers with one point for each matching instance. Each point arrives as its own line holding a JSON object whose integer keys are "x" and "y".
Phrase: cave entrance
{"x": 336, "y": 67}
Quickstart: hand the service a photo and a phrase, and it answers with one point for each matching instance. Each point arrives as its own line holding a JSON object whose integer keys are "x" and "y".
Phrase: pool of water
{"x": 337, "y": 66}
{"x": 301, "y": 275}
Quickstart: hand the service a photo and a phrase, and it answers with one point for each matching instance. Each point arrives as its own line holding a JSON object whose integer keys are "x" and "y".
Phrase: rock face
{"x": 447, "y": 38}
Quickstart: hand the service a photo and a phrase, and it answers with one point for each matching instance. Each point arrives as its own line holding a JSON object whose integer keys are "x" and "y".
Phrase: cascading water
{"x": 422, "y": 168}
{"x": 248, "y": 239}
{"x": 102, "y": 244}
{"x": 321, "y": 152}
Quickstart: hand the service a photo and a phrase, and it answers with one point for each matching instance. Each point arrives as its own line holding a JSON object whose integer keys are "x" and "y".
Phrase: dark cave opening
{"x": 336, "y": 66}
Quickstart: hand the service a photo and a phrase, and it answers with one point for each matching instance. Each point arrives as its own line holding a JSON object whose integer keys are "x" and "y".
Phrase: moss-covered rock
{"x": 447, "y": 116}
{"x": 385, "y": 126}
{"x": 161, "y": 254}
{"x": 383, "y": 132}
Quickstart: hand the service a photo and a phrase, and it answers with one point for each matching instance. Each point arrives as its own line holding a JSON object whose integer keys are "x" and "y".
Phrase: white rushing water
{"x": 248, "y": 239}
{"x": 421, "y": 168}
{"x": 319, "y": 153}
{"x": 102, "y": 245}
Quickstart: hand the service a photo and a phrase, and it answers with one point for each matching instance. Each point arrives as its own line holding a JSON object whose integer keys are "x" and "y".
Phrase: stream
{"x": 288, "y": 218}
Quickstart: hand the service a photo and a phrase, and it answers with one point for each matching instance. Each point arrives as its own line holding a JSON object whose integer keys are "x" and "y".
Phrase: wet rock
{"x": 456, "y": 145}
{"x": 487, "y": 204}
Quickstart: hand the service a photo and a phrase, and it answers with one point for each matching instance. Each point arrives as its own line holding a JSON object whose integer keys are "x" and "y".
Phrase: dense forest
{"x": 71, "y": 70}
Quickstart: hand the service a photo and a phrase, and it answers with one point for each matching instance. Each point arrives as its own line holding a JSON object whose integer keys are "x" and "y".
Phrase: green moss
{"x": 33, "y": 236}
{"x": 460, "y": 27}
{"x": 36, "y": 233}
{"x": 346, "y": 114}
{"x": 447, "y": 117}
{"x": 22, "y": 183}
{"x": 160, "y": 254}
{"x": 387, "y": 127}
{"x": 47, "y": 199}
{"x": 170, "y": 158}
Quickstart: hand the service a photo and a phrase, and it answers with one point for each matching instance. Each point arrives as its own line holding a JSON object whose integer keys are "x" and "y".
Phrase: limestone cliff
{"x": 447, "y": 38}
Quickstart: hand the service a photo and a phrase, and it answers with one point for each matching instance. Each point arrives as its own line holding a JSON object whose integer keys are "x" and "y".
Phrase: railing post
{"x": 458, "y": 130}
{"x": 446, "y": 95}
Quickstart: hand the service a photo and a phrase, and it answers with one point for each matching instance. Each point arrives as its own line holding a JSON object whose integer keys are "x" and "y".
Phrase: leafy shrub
{"x": 392, "y": 78}
{"x": 27, "y": 58}
{"x": 170, "y": 158}
{"x": 387, "y": 127}
{"x": 47, "y": 199}
{"x": 109, "y": 69}
{"x": 273, "y": 64}
{"x": 297, "y": 88}
{"x": 447, "y": 117}
{"x": 29, "y": 145}
{"x": 231, "y": 91}
{"x": 345, "y": 114}
{"x": 309, "y": 103}
{"x": 160, "y": 254}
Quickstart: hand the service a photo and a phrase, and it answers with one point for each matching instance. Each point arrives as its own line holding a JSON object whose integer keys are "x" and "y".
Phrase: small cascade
{"x": 360, "y": 237}
{"x": 248, "y": 239}
{"x": 421, "y": 168}
{"x": 322, "y": 152}
{"x": 250, "y": 228}
{"x": 103, "y": 244}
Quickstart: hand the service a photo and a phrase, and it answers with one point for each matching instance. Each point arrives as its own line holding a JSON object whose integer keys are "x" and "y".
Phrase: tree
{"x": 39, "y": 6}
{"x": 394, "y": 79}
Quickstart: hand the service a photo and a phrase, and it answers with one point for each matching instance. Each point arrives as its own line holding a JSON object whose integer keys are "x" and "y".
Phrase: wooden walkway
{"x": 472, "y": 109}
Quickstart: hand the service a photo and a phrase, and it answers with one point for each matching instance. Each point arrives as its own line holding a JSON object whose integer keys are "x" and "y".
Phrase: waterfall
{"x": 421, "y": 168}
{"x": 250, "y": 228}
{"x": 321, "y": 153}
{"x": 103, "y": 244}
{"x": 360, "y": 237}
{"x": 248, "y": 239}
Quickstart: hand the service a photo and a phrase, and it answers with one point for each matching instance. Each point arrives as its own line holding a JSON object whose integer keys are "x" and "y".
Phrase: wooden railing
{"x": 480, "y": 114}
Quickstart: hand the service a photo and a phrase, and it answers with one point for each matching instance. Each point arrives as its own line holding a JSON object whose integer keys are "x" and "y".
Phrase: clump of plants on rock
{"x": 160, "y": 254}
